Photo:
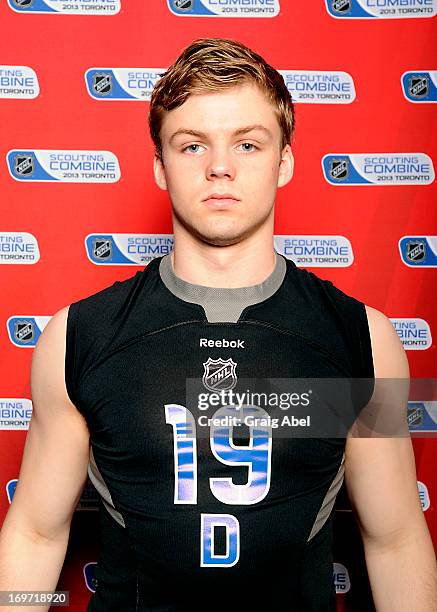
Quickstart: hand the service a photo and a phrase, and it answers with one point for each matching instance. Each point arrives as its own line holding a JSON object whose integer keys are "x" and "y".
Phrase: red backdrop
{"x": 390, "y": 118}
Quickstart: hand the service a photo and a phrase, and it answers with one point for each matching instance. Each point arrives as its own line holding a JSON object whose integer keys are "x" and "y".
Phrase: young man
{"x": 203, "y": 522}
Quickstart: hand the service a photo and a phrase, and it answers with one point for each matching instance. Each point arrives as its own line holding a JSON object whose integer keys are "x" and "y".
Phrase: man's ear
{"x": 158, "y": 171}
{"x": 286, "y": 166}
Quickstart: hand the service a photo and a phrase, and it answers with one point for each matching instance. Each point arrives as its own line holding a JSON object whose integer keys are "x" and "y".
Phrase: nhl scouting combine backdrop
{"x": 79, "y": 207}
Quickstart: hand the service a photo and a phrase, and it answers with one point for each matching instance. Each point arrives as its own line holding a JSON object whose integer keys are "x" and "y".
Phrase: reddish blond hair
{"x": 211, "y": 65}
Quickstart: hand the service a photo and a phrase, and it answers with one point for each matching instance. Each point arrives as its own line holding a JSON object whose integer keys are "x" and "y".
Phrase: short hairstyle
{"x": 215, "y": 64}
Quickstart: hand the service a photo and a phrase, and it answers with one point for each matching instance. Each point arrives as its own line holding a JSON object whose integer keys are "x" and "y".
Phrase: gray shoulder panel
{"x": 98, "y": 481}
{"x": 328, "y": 501}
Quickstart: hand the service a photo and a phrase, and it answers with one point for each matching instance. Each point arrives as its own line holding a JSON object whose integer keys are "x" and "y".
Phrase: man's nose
{"x": 220, "y": 164}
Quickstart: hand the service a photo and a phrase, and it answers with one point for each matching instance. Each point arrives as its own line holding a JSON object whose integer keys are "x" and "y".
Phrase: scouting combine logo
{"x": 10, "y": 489}
{"x": 378, "y": 169}
{"x": 122, "y": 83}
{"x": 127, "y": 249}
{"x": 18, "y": 248}
{"x": 316, "y": 251}
{"x": 415, "y": 334}
{"x": 63, "y": 166}
{"x": 341, "y": 578}
{"x": 15, "y": 413}
{"x": 420, "y": 86}
{"x": 224, "y": 8}
{"x": 422, "y": 416}
{"x": 319, "y": 87}
{"x": 418, "y": 251}
{"x": 381, "y": 9}
{"x": 74, "y": 7}
{"x": 18, "y": 82}
{"x": 25, "y": 331}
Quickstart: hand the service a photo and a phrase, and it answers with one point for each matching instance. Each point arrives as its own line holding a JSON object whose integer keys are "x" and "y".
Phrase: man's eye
{"x": 245, "y": 144}
{"x": 190, "y": 148}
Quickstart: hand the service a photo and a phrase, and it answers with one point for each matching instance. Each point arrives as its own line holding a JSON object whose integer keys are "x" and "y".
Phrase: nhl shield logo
{"x": 416, "y": 250}
{"x": 418, "y": 86}
{"x": 415, "y": 417}
{"x": 102, "y": 83}
{"x": 341, "y": 6}
{"x": 219, "y": 374}
{"x": 183, "y": 5}
{"x": 24, "y": 165}
{"x": 24, "y": 331}
{"x": 23, "y": 3}
{"x": 339, "y": 169}
{"x": 102, "y": 249}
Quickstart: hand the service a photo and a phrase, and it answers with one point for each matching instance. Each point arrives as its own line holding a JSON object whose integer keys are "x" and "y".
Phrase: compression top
{"x": 201, "y": 514}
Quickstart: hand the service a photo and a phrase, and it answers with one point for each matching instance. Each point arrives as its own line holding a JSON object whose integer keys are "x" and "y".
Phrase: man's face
{"x": 206, "y": 152}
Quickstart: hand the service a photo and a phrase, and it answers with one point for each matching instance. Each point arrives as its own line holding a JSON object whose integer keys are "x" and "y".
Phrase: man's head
{"x": 211, "y": 65}
{"x": 207, "y": 100}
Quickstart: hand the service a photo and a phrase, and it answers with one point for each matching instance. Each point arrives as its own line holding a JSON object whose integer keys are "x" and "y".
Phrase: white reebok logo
{"x": 224, "y": 343}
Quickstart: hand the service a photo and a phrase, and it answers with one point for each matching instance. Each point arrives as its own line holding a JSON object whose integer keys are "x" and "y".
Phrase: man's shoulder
{"x": 389, "y": 356}
{"x": 381, "y": 328}
{"x": 117, "y": 290}
{"x": 96, "y": 315}
{"x": 323, "y": 291}
{"x": 97, "y": 322}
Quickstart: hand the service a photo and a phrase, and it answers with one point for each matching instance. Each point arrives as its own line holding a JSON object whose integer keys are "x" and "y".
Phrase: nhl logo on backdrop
{"x": 183, "y": 5}
{"x": 24, "y": 331}
{"x": 102, "y": 83}
{"x": 339, "y": 169}
{"x": 24, "y": 164}
{"x": 341, "y": 6}
{"x": 219, "y": 374}
{"x": 415, "y": 416}
{"x": 102, "y": 249}
{"x": 418, "y": 86}
{"x": 415, "y": 250}
{"x": 23, "y": 3}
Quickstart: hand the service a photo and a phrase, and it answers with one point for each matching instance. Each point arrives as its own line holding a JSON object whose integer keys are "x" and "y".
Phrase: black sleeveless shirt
{"x": 201, "y": 522}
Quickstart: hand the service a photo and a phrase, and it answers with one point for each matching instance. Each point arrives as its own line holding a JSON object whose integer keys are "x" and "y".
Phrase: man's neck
{"x": 233, "y": 266}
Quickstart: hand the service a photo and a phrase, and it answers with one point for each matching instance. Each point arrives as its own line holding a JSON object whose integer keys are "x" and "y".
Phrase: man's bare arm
{"x": 34, "y": 536}
{"x": 382, "y": 486}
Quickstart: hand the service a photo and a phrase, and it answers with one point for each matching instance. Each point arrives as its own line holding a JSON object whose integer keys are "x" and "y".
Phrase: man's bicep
{"x": 55, "y": 458}
{"x": 381, "y": 481}
{"x": 380, "y": 470}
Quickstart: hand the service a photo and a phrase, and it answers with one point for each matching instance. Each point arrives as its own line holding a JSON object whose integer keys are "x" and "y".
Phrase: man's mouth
{"x": 220, "y": 200}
